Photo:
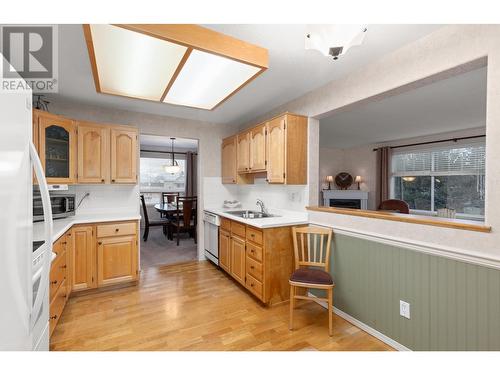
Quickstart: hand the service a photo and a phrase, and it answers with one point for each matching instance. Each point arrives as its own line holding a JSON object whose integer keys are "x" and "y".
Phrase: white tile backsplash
{"x": 289, "y": 197}
{"x": 105, "y": 198}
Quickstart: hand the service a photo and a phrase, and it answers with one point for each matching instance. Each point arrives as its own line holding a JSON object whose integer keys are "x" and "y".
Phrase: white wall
{"x": 107, "y": 198}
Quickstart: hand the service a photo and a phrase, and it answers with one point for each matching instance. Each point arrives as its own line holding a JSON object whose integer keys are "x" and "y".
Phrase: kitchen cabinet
{"x": 228, "y": 160}
{"x": 276, "y": 150}
{"x": 287, "y": 150}
{"x": 243, "y": 151}
{"x": 57, "y": 148}
{"x": 258, "y": 148}
{"x": 84, "y": 258}
{"x": 58, "y": 279}
{"x": 224, "y": 250}
{"x": 116, "y": 253}
{"x": 93, "y": 153}
{"x": 238, "y": 256}
{"x": 260, "y": 259}
{"x": 123, "y": 155}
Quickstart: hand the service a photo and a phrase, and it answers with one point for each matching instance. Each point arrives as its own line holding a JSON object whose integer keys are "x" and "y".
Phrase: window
{"x": 155, "y": 179}
{"x": 441, "y": 177}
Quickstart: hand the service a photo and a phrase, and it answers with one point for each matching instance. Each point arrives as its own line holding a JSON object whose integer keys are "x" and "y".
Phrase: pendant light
{"x": 174, "y": 167}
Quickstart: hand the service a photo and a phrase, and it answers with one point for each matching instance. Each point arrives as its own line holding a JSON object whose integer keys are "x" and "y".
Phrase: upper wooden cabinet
{"x": 85, "y": 152}
{"x": 258, "y": 148}
{"x": 123, "y": 156}
{"x": 93, "y": 153}
{"x": 243, "y": 147}
{"x": 228, "y": 160}
{"x": 276, "y": 149}
{"x": 57, "y": 148}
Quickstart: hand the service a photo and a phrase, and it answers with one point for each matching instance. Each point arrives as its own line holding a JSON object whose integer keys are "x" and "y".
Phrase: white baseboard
{"x": 372, "y": 331}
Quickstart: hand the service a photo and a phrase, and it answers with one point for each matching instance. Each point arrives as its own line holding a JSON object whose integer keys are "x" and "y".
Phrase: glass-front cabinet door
{"x": 57, "y": 147}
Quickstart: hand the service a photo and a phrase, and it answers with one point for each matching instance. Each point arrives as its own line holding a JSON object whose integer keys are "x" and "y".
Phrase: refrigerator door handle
{"x": 47, "y": 216}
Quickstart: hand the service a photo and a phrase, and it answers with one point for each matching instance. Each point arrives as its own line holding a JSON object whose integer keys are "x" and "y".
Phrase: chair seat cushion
{"x": 311, "y": 276}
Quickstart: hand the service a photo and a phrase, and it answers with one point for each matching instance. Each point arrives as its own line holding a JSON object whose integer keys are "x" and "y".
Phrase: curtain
{"x": 191, "y": 165}
{"x": 383, "y": 174}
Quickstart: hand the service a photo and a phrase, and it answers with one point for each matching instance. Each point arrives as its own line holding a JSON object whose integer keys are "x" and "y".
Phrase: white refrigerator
{"x": 24, "y": 272}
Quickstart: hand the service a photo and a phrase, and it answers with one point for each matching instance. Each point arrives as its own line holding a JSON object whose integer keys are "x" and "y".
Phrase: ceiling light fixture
{"x": 174, "y": 166}
{"x": 334, "y": 40}
{"x": 186, "y": 65}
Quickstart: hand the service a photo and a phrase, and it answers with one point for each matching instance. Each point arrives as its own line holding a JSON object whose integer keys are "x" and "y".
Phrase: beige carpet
{"x": 159, "y": 251}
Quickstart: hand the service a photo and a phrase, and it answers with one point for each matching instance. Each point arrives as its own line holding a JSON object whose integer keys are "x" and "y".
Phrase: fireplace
{"x": 346, "y": 199}
{"x": 345, "y": 203}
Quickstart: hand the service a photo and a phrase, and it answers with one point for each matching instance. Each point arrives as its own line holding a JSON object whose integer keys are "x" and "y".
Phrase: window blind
{"x": 441, "y": 161}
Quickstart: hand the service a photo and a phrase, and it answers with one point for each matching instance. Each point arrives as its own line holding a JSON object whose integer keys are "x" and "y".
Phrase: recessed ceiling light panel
{"x": 133, "y": 64}
{"x": 186, "y": 65}
{"x": 207, "y": 79}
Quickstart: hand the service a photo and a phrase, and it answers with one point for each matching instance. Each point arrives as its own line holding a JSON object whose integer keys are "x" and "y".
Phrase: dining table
{"x": 169, "y": 209}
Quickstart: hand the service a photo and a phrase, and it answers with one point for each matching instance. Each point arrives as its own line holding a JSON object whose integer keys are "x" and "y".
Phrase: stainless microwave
{"x": 63, "y": 205}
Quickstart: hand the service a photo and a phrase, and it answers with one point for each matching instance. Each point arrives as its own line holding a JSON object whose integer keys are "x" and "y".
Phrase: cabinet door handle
{"x": 112, "y": 180}
{"x": 63, "y": 267}
{"x": 53, "y": 317}
{"x": 251, "y": 284}
{"x": 102, "y": 180}
{"x": 54, "y": 282}
{"x": 117, "y": 229}
{"x": 99, "y": 243}
{"x": 252, "y": 267}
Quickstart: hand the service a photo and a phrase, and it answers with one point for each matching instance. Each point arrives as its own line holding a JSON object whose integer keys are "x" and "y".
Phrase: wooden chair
{"x": 156, "y": 223}
{"x": 312, "y": 267}
{"x": 185, "y": 217}
{"x": 394, "y": 205}
{"x": 168, "y": 197}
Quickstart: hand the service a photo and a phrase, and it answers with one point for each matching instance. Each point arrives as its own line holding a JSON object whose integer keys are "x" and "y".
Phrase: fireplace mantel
{"x": 360, "y": 195}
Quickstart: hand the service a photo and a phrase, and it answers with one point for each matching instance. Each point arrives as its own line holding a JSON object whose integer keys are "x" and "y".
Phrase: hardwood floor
{"x": 195, "y": 306}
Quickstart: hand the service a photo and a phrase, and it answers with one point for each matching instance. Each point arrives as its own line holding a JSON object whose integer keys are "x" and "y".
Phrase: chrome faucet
{"x": 262, "y": 206}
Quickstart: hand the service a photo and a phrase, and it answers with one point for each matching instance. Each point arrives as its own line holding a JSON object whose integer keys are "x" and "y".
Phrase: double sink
{"x": 248, "y": 214}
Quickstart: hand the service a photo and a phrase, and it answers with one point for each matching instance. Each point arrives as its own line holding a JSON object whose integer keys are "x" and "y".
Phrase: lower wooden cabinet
{"x": 259, "y": 259}
{"x": 225, "y": 250}
{"x": 59, "y": 288}
{"x": 116, "y": 260}
{"x": 84, "y": 258}
{"x": 238, "y": 256}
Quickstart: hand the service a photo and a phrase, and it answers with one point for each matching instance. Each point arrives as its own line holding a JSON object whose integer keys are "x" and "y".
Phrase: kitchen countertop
{"x": 62, "y": 225}
{"x": 285, "y": 217}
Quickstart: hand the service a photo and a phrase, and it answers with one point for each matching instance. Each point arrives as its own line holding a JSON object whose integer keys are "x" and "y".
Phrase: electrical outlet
{"x": 404, "y": 309}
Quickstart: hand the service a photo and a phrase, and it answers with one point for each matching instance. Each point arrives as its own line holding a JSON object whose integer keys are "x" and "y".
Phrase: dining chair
{"x": 185, "y": 217}
{"x": 311, "y": 247}
{"x": 148, "y": 223}
{"x": 394, "y": 205}
{"x": 168, "y": 197}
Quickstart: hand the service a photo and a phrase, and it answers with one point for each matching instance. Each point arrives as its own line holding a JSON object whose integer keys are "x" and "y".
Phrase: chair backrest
{"x": 395, "y": 205}
{"x": 311, "y": 246}
{"x": 144, "y": 210}
{"x": 169, "y": 196}
{"x": 189, "y": 209}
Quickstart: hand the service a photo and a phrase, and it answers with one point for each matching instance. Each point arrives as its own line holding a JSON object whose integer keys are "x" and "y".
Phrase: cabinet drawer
{"x": 57, "y": 274}
{"x": 59, "y": 247}
{"x": 225, "y": 224}
{"x": 254, "y": 251}
{"x": 254, "y": 268}
{"x": 254, "y": 235}
{"x": 238, "y": 229}
{"x": 118, "y": 229}
{"x": 57, "y": 306}
{"x": 253, "y": 285}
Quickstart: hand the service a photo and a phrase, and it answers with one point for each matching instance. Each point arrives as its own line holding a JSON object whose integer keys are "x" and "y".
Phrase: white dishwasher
{"x": 211, "y": 236}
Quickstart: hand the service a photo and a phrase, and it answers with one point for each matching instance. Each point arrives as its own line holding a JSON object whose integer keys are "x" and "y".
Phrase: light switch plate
{"x": 404, "y": 309}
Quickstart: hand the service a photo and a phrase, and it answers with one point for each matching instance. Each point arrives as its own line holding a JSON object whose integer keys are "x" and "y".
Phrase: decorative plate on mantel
{"x": 343, "y": 180}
